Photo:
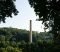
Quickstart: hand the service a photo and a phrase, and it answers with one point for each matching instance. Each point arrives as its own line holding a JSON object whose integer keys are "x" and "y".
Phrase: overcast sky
{"x": 21, "y": 21}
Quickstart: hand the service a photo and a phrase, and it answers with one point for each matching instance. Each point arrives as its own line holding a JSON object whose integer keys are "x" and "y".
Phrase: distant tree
{"x": 7, "y": 7}
{"x": 48, "y": 12}
{"x": 2, "y": 41}
{"x": 2, "y": 50}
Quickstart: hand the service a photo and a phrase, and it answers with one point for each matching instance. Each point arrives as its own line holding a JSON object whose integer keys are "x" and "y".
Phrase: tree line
{"x": 17, "y": 40}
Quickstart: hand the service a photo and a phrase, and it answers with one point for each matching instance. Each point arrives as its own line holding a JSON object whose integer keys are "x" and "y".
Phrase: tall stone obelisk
{"x": 30, "y": 35}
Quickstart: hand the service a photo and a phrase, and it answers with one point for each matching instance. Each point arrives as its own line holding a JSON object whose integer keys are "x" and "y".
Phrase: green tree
{"x": 2, "y": 41}
{"x": 48, "y": 12}
{"x": 7, "y": 7}
{"x": 2, "y": 50}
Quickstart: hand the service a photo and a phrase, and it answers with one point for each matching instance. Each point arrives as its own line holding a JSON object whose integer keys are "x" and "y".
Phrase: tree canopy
{"x": 48, "y": 12}
{"x": 7, "y": 7}
{"x": 17, "y": 40}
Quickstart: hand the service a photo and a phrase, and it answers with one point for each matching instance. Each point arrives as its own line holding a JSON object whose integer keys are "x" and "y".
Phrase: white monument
{"x": 30, "y": 35}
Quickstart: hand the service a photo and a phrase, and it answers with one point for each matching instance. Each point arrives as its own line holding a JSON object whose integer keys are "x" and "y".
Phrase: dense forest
{"x": 17, "y": 40}
{"x": 19, "y": 35}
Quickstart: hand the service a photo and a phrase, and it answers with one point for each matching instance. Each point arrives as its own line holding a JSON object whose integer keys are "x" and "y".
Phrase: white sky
{"x": 21, "y": 21}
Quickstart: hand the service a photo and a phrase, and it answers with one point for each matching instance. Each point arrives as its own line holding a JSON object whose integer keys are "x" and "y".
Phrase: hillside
{"x": 17, "y": 40}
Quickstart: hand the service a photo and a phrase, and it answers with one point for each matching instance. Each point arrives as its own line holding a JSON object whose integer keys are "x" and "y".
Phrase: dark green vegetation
{"x": 19, "y": 35}
{"x": 7, "y": 7}
{"x": 48, "y": 12}
{"x": 17, "y": 40}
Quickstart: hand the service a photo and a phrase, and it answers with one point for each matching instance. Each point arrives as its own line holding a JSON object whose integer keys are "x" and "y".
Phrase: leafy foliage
{"x": 16, "y": 40}
{"x": 48, "y": 12}
{"x": 7, "y": 7}
{"x": 19, "y": 35}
